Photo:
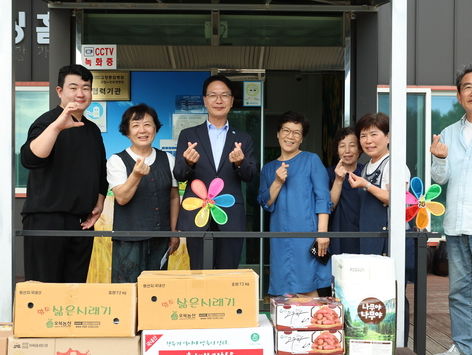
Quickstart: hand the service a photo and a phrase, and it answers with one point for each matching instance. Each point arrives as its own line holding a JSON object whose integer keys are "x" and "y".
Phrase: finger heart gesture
{"x": 191, "y": 155}
{"x": 282, "y": 172}
{"x": 340, "y": 170}
{"x": 237, "y": 155}
{"x": 438, "y": 149}
{"x": 141, "y": 168}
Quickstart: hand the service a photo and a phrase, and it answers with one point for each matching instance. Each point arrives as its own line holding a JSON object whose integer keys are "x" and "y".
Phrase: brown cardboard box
{"x": 74, "y": 310}
{"x": 30, "y": 346}
{"x": 190, "y": 299}
{"x": 6, "y": 329}
{"x": 74, "y": 346}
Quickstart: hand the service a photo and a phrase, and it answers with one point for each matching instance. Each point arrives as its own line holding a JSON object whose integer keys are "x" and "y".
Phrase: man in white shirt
{"x": 452, "y": 164}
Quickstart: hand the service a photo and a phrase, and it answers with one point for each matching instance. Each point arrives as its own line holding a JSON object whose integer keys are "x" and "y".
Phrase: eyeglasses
{"x": 224, "y": 96}
{"x": 466, "y": 88}
{"x": 285, "y": 132}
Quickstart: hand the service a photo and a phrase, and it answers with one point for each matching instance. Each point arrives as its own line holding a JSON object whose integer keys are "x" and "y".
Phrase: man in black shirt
{"x": 67, "y": 182}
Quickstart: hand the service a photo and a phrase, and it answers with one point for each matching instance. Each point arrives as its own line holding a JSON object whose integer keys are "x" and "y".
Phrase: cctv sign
{"x": 99, "y": 56}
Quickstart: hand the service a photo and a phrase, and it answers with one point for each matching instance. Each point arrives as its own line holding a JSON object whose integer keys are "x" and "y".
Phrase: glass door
{"x": 247, "y": 115}
{"x": 260, "y": 98}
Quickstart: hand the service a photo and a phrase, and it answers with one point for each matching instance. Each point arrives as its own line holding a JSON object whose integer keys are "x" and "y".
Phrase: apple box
{"x": 313, "y": 342}
{"x": 305, "y": 313}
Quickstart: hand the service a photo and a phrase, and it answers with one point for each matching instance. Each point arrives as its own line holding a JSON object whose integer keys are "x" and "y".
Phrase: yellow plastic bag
{"x": 100, "y": 262}
{"x": 179, "y": 260}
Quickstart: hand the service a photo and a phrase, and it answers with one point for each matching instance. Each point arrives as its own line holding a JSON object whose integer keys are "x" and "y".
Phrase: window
{"x": 30, "y": 103}
{"x": 417, "y": 117}
{"x": 429, "y": 111}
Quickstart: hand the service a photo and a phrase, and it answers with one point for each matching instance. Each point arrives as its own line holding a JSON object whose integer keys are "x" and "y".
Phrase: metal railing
{"x": 421, "y": 238}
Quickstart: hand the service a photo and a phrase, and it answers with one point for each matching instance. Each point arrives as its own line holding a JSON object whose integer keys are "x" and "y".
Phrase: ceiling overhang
{"x": 135, "y": 57}
{"x": 223, "y": 5}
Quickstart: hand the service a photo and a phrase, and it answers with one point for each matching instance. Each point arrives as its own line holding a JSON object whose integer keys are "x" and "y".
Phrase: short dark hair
{"x": 460, "y": 75}
{"x": 74, "y": 69}
{"x": 379, "y": 120}
{"x": 217, "y": 77}
{"x": 136, "y": 113}
{"x": 343, "y": 133}
{"x": 295, "y": 117}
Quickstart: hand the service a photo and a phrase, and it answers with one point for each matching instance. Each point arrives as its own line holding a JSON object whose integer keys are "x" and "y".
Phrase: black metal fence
{"x": 421, "y": 238}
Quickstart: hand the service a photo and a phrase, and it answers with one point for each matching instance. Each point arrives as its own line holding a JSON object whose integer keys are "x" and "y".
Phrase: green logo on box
{"x": 255, "y": 337}
{"x": 174, "y": 316}
{"x": 49, "y": 323}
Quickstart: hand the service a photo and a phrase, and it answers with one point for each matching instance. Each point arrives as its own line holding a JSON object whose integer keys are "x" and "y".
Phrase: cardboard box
{"x": 305, "y": 313}
{"x": 369, "y": 301}
{"x": 236, "y": 341}
{"x": 74, "y": 310}
{"x": 74, "y": 346}
{"x": 313, "y": 342}
{"x": 31, "y": 346}
{"x": 193, "y": 299}
{"x": 6, "y": 330}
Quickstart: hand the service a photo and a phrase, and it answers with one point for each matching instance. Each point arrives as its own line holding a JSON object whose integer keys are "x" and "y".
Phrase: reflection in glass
{"x": 147, "y": 28}
{"x": 414, "y": 129}
{"x": 281, "y": 30}
{"x": 29, "y": 105}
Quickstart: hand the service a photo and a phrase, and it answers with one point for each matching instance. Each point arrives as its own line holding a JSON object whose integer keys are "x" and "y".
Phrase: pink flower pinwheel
{"x": 208, "y": 202}
{"x": 420, "y": 205}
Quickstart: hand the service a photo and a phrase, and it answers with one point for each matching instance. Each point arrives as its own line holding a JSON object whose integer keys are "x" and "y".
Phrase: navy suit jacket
{"x": 206, "y": 171}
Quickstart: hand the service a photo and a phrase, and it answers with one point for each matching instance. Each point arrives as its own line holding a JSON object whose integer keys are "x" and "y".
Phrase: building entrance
{"x": 317, "y": 95}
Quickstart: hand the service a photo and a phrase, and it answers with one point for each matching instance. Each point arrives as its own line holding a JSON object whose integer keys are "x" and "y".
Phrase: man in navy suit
{"x": 207, "y": 151}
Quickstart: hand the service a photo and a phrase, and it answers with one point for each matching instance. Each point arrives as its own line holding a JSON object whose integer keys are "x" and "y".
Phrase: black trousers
{"x": 226, "y": 251}
{"x": 56, "y": 259}
{"x": 129, "y": 259}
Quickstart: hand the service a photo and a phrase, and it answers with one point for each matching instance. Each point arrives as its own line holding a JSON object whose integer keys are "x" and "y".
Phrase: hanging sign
{"x": 99, "y": 56}
{"x": 110, "y": 86}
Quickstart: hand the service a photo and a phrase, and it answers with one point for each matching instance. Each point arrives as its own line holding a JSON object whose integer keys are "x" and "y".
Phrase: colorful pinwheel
{"x": 420, "y": 205}
{"x": 208, "y": 202}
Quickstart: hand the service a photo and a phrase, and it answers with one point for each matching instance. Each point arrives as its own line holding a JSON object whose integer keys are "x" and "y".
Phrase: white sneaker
{"x": 452, "y": 351}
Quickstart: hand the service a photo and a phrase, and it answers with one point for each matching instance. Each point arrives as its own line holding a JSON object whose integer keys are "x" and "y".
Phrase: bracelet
{"x": 366, "y": 188}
